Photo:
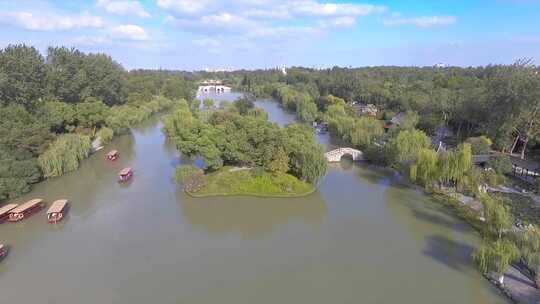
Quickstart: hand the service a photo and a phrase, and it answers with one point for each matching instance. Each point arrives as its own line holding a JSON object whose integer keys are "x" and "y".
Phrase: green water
{"x": 362, "y": 238}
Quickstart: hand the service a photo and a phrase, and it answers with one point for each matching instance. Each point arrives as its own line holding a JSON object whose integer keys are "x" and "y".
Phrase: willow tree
{"x": 64, "y": 154}
{"x": 406, "y": 144}
{"x": 528, "y": 242}
{"x": 425, "y": 169}
{"x": 498, "y": 218}
{"x": 495, "y": 257}
{"x": 454, "y": 165}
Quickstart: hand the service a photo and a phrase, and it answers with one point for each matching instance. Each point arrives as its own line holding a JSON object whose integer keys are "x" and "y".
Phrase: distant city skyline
{"x": 250, "y": 34}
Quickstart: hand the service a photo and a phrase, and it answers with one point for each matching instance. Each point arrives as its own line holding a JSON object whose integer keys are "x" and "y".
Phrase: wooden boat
{"x": 3, "y": 251}
{"x": 4, "y": 211}
{"x": 25, "y": 210}
{"x": 113, "y": 155}
{"x": 57, "y": 211}
{"x": 125, "y": 174}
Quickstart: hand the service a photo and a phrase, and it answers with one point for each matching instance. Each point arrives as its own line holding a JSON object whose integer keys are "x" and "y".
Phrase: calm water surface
{"x": 362, "y": 238}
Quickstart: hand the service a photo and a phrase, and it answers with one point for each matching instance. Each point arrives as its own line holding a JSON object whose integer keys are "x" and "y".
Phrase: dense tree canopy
{"x": 48, "y": 105}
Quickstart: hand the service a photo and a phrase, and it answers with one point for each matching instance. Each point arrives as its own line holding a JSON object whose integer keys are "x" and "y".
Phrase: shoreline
{"x": 247, "y": 194}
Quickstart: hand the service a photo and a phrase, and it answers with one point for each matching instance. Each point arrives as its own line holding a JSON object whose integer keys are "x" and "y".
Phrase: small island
{"x": 245, "y": 181}
{"x": 243, "y": 152}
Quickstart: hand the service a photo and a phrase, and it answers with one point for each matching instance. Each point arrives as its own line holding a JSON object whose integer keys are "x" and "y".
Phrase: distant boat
{"x": 26, "y": 210}
{"x": 4, "y": 211}
{"x": 113, "y": 155}
{"x": 125, "y": 174}
{"x": 57, "y": 210}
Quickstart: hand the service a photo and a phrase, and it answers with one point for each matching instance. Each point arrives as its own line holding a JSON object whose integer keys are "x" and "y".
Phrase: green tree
{"x": 243, "y": 105}
{"x": 91, "y": 113}
{"x": 496, "y": 257}
{"x": 480, "y": 144}
{"x": 64, "y": 154}
{"x": 22, "y": 75}
{"x": 306, "y": 110}
{"x": 501, "y": 164}
{"x": 364, "y": 131}
{"x": 279, "y": 162}
{"x": 208, "y": 103}
{"x": 405, "y": 144}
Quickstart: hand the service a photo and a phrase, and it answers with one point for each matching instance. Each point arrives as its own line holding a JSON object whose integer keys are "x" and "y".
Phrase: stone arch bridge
{"x": 337, "y": 154}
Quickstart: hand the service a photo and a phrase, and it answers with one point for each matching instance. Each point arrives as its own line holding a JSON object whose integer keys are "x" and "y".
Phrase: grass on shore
{"x": 252, "y": 182}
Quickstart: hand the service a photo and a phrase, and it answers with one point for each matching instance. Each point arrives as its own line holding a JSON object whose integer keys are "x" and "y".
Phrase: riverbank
{"x": 251, "y": 182}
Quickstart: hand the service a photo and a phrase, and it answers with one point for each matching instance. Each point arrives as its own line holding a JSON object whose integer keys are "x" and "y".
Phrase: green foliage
{"x": 183, "y": 172}
{"x": 208, "y": 103}
{"x": 64, "y": 154}
{"x": 307, "y": 160}
{"x": 377, "y": 155}
{"x": 279, "y": 162}
{"x": 73, "y": 76}
{"x": 306, "y": 110}
{"x": 244, "y": 105}
{"x": 404, "y": 146}
{"x": 250, "y": 182}
{"x": 364, "y": 131}
{"x": 501, "y": 164}
{"x": 495, "y": 256}
{"x": 58, "y": 115}
{"x": 176, "y": 87}
{"x": 105, "y": 134}
{"x": 22, "y": 75}
{"x": 480, "y": 144}
{"x": 498, "y": 218}
{"x": 426, "y": 166}
{"x": 91, "y": 113}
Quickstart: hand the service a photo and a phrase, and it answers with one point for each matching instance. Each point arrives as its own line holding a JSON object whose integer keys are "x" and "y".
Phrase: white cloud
{"x": 183, "y": 6}
{"x": 315, "y": 8}
{"x": 129, "y": 32}
{"x": 283, "y": 32}
{"x": 264, "y": 19}
{"x": 345, "y": 21}
{"x": 89, "y": 40}
{"x": 123, "y": 7}
{"x": 211, "y": 24}
{"x": 35, "y": 22}
{"x": 207, "y": 42}
{"x": 424, "y": 21}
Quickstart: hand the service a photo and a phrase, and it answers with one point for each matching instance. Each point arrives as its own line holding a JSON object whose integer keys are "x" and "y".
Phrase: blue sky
{"x": 198, "y": 34}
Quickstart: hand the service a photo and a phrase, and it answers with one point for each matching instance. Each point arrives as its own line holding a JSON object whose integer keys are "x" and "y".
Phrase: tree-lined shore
{"x": 53, "y": 106}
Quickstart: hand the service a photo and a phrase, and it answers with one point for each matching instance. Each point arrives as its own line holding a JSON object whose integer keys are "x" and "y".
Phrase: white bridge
{"x": 214, "y": 88}
{"x": 337, "y": 154}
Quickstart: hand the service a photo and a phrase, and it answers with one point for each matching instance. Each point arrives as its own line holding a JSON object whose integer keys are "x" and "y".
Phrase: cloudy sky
{"x": 198, "y": 34}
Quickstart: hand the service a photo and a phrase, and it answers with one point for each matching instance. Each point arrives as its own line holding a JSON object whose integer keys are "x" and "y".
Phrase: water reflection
{"x": 251, "y": 217}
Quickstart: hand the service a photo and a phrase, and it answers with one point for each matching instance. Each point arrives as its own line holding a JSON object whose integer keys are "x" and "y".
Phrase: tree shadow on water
{"x": 446, "y": 220}
{"x": 453, "y": 254}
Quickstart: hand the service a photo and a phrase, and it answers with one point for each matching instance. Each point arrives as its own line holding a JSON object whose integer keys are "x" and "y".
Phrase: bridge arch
{"x": 337, "y": 154}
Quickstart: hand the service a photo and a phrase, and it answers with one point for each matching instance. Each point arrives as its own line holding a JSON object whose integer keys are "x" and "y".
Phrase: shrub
{"x": 105, "y": 134}
{"x": 480, "y": 144}
{"x": 64, "y": 154}
{"x": 501, "y": 164}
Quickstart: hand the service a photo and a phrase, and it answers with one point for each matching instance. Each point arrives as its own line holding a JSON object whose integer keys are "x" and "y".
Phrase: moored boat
{"x": 3, "y": 251}
{"x": 4, "y": 211}
{"x": 25, "y": 210}
{"x": 57, "y": 211}
{"x": 125, "y": 174}
{"x": 113, "y": 155}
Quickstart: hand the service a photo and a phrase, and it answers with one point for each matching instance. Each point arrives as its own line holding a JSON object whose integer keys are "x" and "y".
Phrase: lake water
{"x": 363, "y": 237}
